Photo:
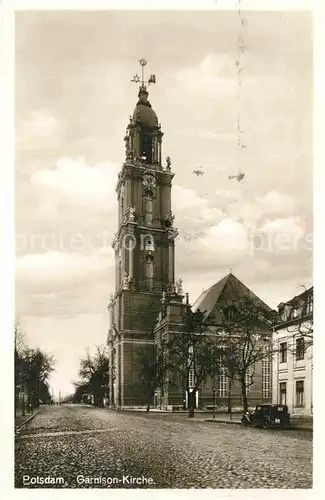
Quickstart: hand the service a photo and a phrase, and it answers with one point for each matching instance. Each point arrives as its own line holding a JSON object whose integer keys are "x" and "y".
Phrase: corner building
{"x": 293, "y": 361}
{"x": 144, "y": 247}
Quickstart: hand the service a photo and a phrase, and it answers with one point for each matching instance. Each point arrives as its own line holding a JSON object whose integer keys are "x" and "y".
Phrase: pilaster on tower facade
{"x": 144, "y": 247}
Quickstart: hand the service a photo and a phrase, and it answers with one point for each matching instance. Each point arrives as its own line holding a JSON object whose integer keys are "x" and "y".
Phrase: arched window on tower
{"x": 149, "y": 272}
{"x": 122, "y": 206}
{"x": 122, "y": 202}
{"x": 119, "y": 271}
{"x": 146, "y": 147}
{"x": 148, "y": 209}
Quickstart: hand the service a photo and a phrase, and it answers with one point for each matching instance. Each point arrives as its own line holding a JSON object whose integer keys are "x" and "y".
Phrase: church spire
{"x": 143, "y": 136}
{"x": 136, "y": 78}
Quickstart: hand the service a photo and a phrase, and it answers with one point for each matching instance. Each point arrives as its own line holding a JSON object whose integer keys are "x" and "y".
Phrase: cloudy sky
{"x": 73, "y": 99}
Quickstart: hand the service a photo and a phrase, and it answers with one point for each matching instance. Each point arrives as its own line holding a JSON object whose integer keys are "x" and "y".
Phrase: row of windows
{"x": 266, "y": 381}
{"x": 299, "y": 350}
{"x": 223, "y": 383}
{"x": 266, "y": 378}
{"x": 191, "y": 378}
{"x": 299, "y": 393}
{"x": 191, "y": 375}
{"x": 248, "y": 383}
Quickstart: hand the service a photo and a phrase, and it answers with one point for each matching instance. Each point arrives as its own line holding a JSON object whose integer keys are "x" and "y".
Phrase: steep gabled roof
{"x": 208, "y": 298}
{"x": 227, "y": 289}
{"x": 304, "y": 296}
{"x": 300, "y": 306}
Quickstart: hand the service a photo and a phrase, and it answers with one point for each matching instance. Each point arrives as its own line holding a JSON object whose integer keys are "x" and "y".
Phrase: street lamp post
{"x": 214, "y": 402}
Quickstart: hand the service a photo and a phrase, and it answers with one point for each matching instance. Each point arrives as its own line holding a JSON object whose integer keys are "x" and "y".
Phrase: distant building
{"x": 293, "y": 361}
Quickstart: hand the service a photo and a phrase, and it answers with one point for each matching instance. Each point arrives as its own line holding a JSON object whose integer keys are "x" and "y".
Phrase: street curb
{"x": 26, "y": 421}
{"x": 308, "y": 429}
{"x": 161, "y": 412}
{"x": 222, "y": 421}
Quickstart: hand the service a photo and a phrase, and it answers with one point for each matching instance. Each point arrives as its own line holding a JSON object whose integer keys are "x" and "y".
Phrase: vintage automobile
{"x": 267, "y": 416}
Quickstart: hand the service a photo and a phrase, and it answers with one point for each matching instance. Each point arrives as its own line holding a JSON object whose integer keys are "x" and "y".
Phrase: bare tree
{"x": 94, "y": 373}
{"x": 20, "y": 338}
{"x": 194, "y": 354}
{"x": 152, "y": 368}
{"x": 37, "y": 367}
{"x": 18, "y": 361}
{"x": 246, "y": 332}
{"x": 151, "y": 358}
{"x": 81, "y": 393}
{"x": 230, "y": 368}
{"x": 32, "y": 370}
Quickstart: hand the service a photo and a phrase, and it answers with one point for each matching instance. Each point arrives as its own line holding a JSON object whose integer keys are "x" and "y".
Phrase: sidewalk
{"x": 226, "y": 418}
{"x": 303, "y": 424}
{"x": 298, "y": 423}
{"x": 21, "y": 420}
{"x": 179, "y": 412}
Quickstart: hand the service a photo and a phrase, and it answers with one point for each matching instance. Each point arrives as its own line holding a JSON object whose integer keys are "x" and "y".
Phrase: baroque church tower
{"x": 144, "y": 247}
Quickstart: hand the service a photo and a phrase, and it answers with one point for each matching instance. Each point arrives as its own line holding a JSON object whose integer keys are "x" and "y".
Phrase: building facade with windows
{"x": 258, "y": 378}
{"x": 293, "y": 362}
{"x": 222, "y": 391}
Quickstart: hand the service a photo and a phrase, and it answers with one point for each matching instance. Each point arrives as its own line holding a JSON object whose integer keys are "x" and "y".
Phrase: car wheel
{"x": 266, "y": 423}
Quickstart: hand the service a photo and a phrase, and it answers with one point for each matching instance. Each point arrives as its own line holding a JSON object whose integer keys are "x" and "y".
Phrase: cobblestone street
{"x": 90, "y": 447}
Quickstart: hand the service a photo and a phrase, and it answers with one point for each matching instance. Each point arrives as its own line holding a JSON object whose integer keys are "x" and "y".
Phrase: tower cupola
{"x": 144, "y": 135}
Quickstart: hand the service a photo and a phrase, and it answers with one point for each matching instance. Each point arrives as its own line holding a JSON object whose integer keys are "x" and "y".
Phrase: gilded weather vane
{"x": 136, "y": 78}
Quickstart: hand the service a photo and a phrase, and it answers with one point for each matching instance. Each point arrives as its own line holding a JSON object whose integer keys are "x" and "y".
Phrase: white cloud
{"x": 226, "y": 237}
{"x": 61, "y": 267}
{"x": 242, "y": 205}
{"x": 213, "y": 74}
{"x": 219, "y": 247}
{"x": 80, "y": 183}
{"x": 42, "y": 124}
{"x": 40, "y": 130}
{"x": 281, "y": 236}
{"x": 190, "y": 207}
{"x": 215, "y": 77}
{"x": 276, "y": 203}
{"x": 183, "y": 198}
{"x": 290, "y": 225}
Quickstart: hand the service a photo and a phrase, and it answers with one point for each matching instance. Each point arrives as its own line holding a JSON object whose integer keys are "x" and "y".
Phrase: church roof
{"x": 228, "y": 288}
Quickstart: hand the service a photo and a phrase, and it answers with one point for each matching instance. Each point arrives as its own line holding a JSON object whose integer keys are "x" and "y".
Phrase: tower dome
{"x": 143, "y": 113}
{"x": 143, "y": 134}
